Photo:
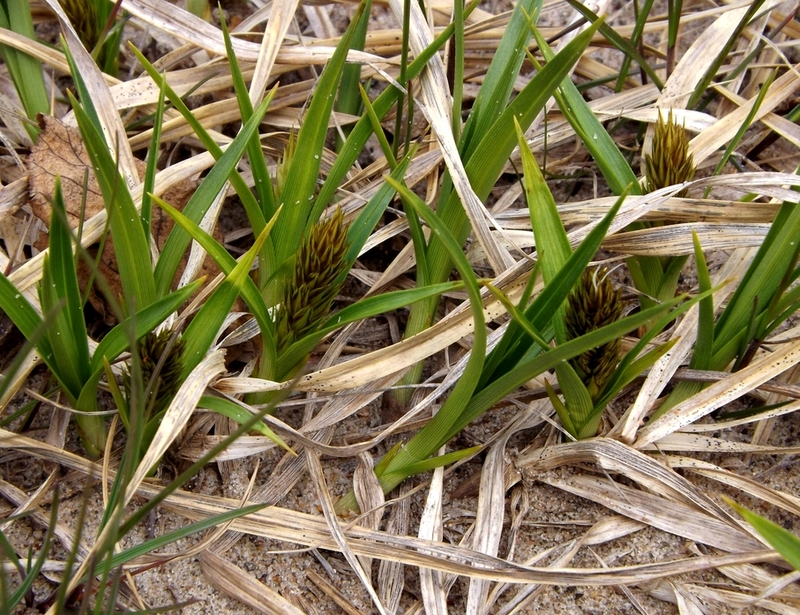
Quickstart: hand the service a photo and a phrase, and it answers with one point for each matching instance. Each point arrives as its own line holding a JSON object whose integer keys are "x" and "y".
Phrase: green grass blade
{"x": 32, "y": 573}
{"x": 579, "y": 404}
{"x": 201, "y": 200}
{"x": 255, "y": 154}
{"x": 612, "y": 164}
{"x": 552, "y": 243}
{"x": 641, "y": 14}
{"x": 20, "y": 311}
{"x": 349, "y": 98}
{"x": 615, "y": 39}
{"x": 152, "y": 160}
{"x": 254, "y": 214}
{"x": 363, "y": 129}
{"x": 241, "y": 415}
{"x": 366, "y": 308}
{"x": 226, "y": 263}
{"x": 116, "y": 341}
{"x": 783, "y": 541}
{"x": 162, "y": 541}
{"x": 24, "y": 70}
{"x": 301, "y": 180}
{"x": 131, "y": 245}
{"x": 541, "y": 310}
{"x": 520, "y": 374}
{"x": 202, "y": 331}
{"x": 761, "y": 280}
{"x": 435, "y": 433}
{"x": 362, "y": 227}
{"x": 745, "y": 125}
{"x": 500, "y": 77}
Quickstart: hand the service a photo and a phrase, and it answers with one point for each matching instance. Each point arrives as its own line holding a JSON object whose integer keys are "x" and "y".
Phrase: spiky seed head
{"x": 83, "y": 16}
{"x": 151, "y": 348}
{"x": 284, "y": 164}
{"x": 318, "y": 276}
{"x": 594, "y": 303}
{"x": 670, "y": 162}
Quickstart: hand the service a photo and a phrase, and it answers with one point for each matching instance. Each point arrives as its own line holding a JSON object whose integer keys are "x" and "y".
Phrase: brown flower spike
{"x": 670, "y": 162}
{"x": 151, "y": 349}
{"x": 594, "y": 303}
{"x": 318, "y": 276}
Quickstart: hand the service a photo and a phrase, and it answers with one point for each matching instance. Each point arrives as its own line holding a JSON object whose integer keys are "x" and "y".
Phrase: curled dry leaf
{"x": 60, "y": 152}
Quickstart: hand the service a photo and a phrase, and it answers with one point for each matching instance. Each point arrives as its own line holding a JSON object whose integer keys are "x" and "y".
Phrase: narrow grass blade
{"x": 116, "y": 341}
{"x": 618, "y": 42}
{"x": 234, "y": 411}
{"x": 59, "y": 291}
{"x": 254, "y": 214}
{"x": 152, "y": 160}
{"x": 203, "y": 330}
{"x": 226, "y": 263}
{"x": 301, "y": 181}
{"x": 349, "y": 98}
{"x": 783, "y": 541}
{"x": 131, "y": 245}
{"x": 366, "y": 308}
{"x": 722, "y": 56}
{"x": 363, "y": 129}
{"x": 436, "y": 432}
{"x": 201, "y": 200}
{"x": 552, "y": 243}
{"x": 24, "y": 70}
{"x": 498, "y": 82}
{"x": 612, "y": 164}
{"x": 362, "y": 227}
{"x": 255, "y": 154}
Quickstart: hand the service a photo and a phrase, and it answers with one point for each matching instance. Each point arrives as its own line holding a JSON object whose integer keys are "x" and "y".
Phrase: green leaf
{"x": 365, "y": 308}
{"x": 116, "y": 341}
{"x": 437, "y": 432}
{"x": 59, "y": 286}
{"x": 253, "y": 210}
{"x": 540, "y": 312}
{"x": 241, "y": 415}
{"x": 301, "y": 180}
{"x": 552, "y": 243}
{"x": 25, "y": 71}
{"x": 783, "y": 541}
{"x": 428, "y": 465}
{"x": 226, "y": 263}
{"x": 612, "y": 164}
{"x": 561, "y": 410}
{"x": 131, "y": 245}
{"x": 203, "y": 330}
{"x": 162, "y": 541}
{"x": 620, "y": 43}
{"x": 362, "y": 227}
{"x": 201, "y": 200}
{"x": 255, "y": 154}
{"x": 498, "y": 83}
{"x": 152, "y": 159}
{"x": 362, "y": 131}
{"x": 579, "y": 402}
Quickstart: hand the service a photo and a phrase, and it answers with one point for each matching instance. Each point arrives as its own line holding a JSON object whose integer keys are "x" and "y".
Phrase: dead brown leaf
{"x": 60, "y": 152}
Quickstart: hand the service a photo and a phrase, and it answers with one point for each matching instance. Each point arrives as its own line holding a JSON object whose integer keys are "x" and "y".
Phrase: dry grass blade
{"x": 440, "y": 536}
{"x": 715, "y": 396}
{"x": 176, "y": 416}
{"x": 315, "y": 471}
{"x": 432, "y": 583}
{"x": 236, "y": 583}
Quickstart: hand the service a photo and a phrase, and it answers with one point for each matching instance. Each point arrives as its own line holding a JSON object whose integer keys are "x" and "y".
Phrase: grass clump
{"x": 466, "y": 233}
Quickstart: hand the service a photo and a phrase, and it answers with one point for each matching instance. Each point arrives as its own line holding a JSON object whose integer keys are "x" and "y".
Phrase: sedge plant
{"x": 524, "y": 351}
